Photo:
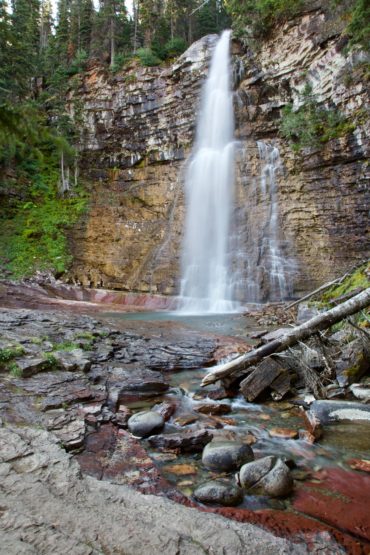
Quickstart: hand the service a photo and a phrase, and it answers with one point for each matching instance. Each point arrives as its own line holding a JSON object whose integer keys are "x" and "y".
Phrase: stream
{"x": 266, "y": 425}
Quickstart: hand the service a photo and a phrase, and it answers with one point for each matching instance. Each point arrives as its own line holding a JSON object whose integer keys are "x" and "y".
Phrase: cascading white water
{"x": 209, "y": 189}
{"x": 280, "y": 268}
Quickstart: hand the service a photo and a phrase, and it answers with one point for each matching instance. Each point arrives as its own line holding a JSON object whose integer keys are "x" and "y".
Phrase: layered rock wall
{"x": 137, "y": 130}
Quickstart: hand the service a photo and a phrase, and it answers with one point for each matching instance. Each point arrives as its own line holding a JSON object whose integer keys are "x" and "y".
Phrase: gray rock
{"x": 146, "y": 423}
{"x": 189, "y": 441}
{"x": 225, "y": 456}
{"x": 360, "y": 391}
{"x": 31, "y": 365}
{"x": 140, "y": 381}
{"x": 74, "y": 360}
{"x": 331, "y": 411}
{"x": 252, "y": 472}
{"x": 354, "y": 362}
{"x": 219, "y": 493}
{"x": 267, "y": 476}
{"x": 278, "y": 482}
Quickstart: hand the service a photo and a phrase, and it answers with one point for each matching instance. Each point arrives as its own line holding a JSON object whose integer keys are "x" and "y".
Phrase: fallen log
{"x": 326, "y": 286}
{"x": 291, "y": 337}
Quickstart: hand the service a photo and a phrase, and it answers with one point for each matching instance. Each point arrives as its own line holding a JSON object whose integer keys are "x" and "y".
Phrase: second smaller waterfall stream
{"x": 276, "y": 265}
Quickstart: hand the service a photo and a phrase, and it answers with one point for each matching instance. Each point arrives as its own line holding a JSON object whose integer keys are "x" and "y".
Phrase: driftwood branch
{"x": 318, "y": 290}
{"x": 325, "y": 286}
{"x": 291, "y": 337}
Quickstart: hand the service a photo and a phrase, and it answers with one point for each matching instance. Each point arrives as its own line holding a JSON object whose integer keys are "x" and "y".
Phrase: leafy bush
{"x": 34, "y": 239}
{"x": 10, "y": 352}
{"x": 175, "y": 47}
{"x": 120, "y": 60}
{"x": 14, "y": 370}
{"x": 34, "y": 213}
{"x": 312, "y": 125}
{"x": 147, "y": 57}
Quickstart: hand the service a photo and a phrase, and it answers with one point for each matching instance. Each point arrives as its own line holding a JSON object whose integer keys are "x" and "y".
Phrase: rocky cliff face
{"x": 137, "y": 130}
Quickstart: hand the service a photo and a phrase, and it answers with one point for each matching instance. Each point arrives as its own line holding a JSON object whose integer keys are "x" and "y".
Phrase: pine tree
{"x": 62, "y": 42}
{"x": 5, "y": 50}
{"x": 81, "y": 25}
{"x": 46, "y": 24}
{"x": 25, "y": 43}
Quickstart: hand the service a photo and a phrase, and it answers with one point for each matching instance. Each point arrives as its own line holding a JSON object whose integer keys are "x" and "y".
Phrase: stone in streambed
{"x": 213, "y": 408}
{"x": 252, "y": 472}
{"x": 146, "y": 423}
{"x": 331, "y": 411}
{"x": 267, "y": 476}
{"x": 225, "y": 456}
{"x": 188, "y": 441}
{"x": 219, "y": 493}
{"x": 278, "y": 482}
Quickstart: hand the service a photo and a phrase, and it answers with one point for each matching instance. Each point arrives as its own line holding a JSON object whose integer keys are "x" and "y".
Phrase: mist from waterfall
{"x": 209, "y": 190}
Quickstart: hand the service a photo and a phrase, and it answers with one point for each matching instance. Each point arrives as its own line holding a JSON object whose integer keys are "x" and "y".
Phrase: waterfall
{"x": 209, "y": 189}
{"x": 277, "y": 268}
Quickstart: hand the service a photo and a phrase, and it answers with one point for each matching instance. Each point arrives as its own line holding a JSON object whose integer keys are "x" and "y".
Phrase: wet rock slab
{"x": 116, "y": 456}
{"x": 339, "y": 498}
{"x": 48, "y": 507}
{"x": 333, "y": 411}
{"x": 188, "y": 441}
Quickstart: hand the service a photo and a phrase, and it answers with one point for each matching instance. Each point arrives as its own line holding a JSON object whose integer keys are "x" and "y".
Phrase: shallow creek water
{"x": 340, "y": 443}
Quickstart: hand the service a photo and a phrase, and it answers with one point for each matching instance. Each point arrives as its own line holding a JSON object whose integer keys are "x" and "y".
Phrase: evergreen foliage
{"x": 311, "y": 124}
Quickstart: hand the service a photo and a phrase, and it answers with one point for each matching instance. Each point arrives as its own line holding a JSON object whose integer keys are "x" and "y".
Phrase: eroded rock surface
{"x": 47, "y": 507}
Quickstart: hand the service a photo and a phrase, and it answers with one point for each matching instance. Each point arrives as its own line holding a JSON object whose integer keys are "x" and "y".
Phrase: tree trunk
{"x": 291, "y": 337}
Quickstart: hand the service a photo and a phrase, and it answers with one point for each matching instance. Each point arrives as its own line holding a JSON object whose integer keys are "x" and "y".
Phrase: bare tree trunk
{"x": 112, "y": 42}
{"x": 299, "y": 333}
{"x": 136, "y": 22}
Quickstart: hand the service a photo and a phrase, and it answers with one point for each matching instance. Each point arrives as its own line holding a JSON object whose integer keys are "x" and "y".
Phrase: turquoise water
{"x": 236, "y": 325}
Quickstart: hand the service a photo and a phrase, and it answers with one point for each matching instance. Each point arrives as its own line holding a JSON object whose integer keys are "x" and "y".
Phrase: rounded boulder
{"x": 219, "y": 493}
{"x": 226, "y": 456}
{"x": 146, "y": 423}
{"x": 252, "y": 472}
{"x": 278, "y": 482}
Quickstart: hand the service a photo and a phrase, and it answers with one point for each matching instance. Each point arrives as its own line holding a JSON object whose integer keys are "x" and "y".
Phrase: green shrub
{"x": 65, "y": 346}
{"x": 50, "y": 360}
{"x": 174, "y": 47}
{"x": 10, "y": 352}
{"x": 120, "y": 60}
{"x": 14, "y": 370}
{"x": 312, "y": 125}
{"x": 34, "y": 238}
{"x": 147, "y": 57}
